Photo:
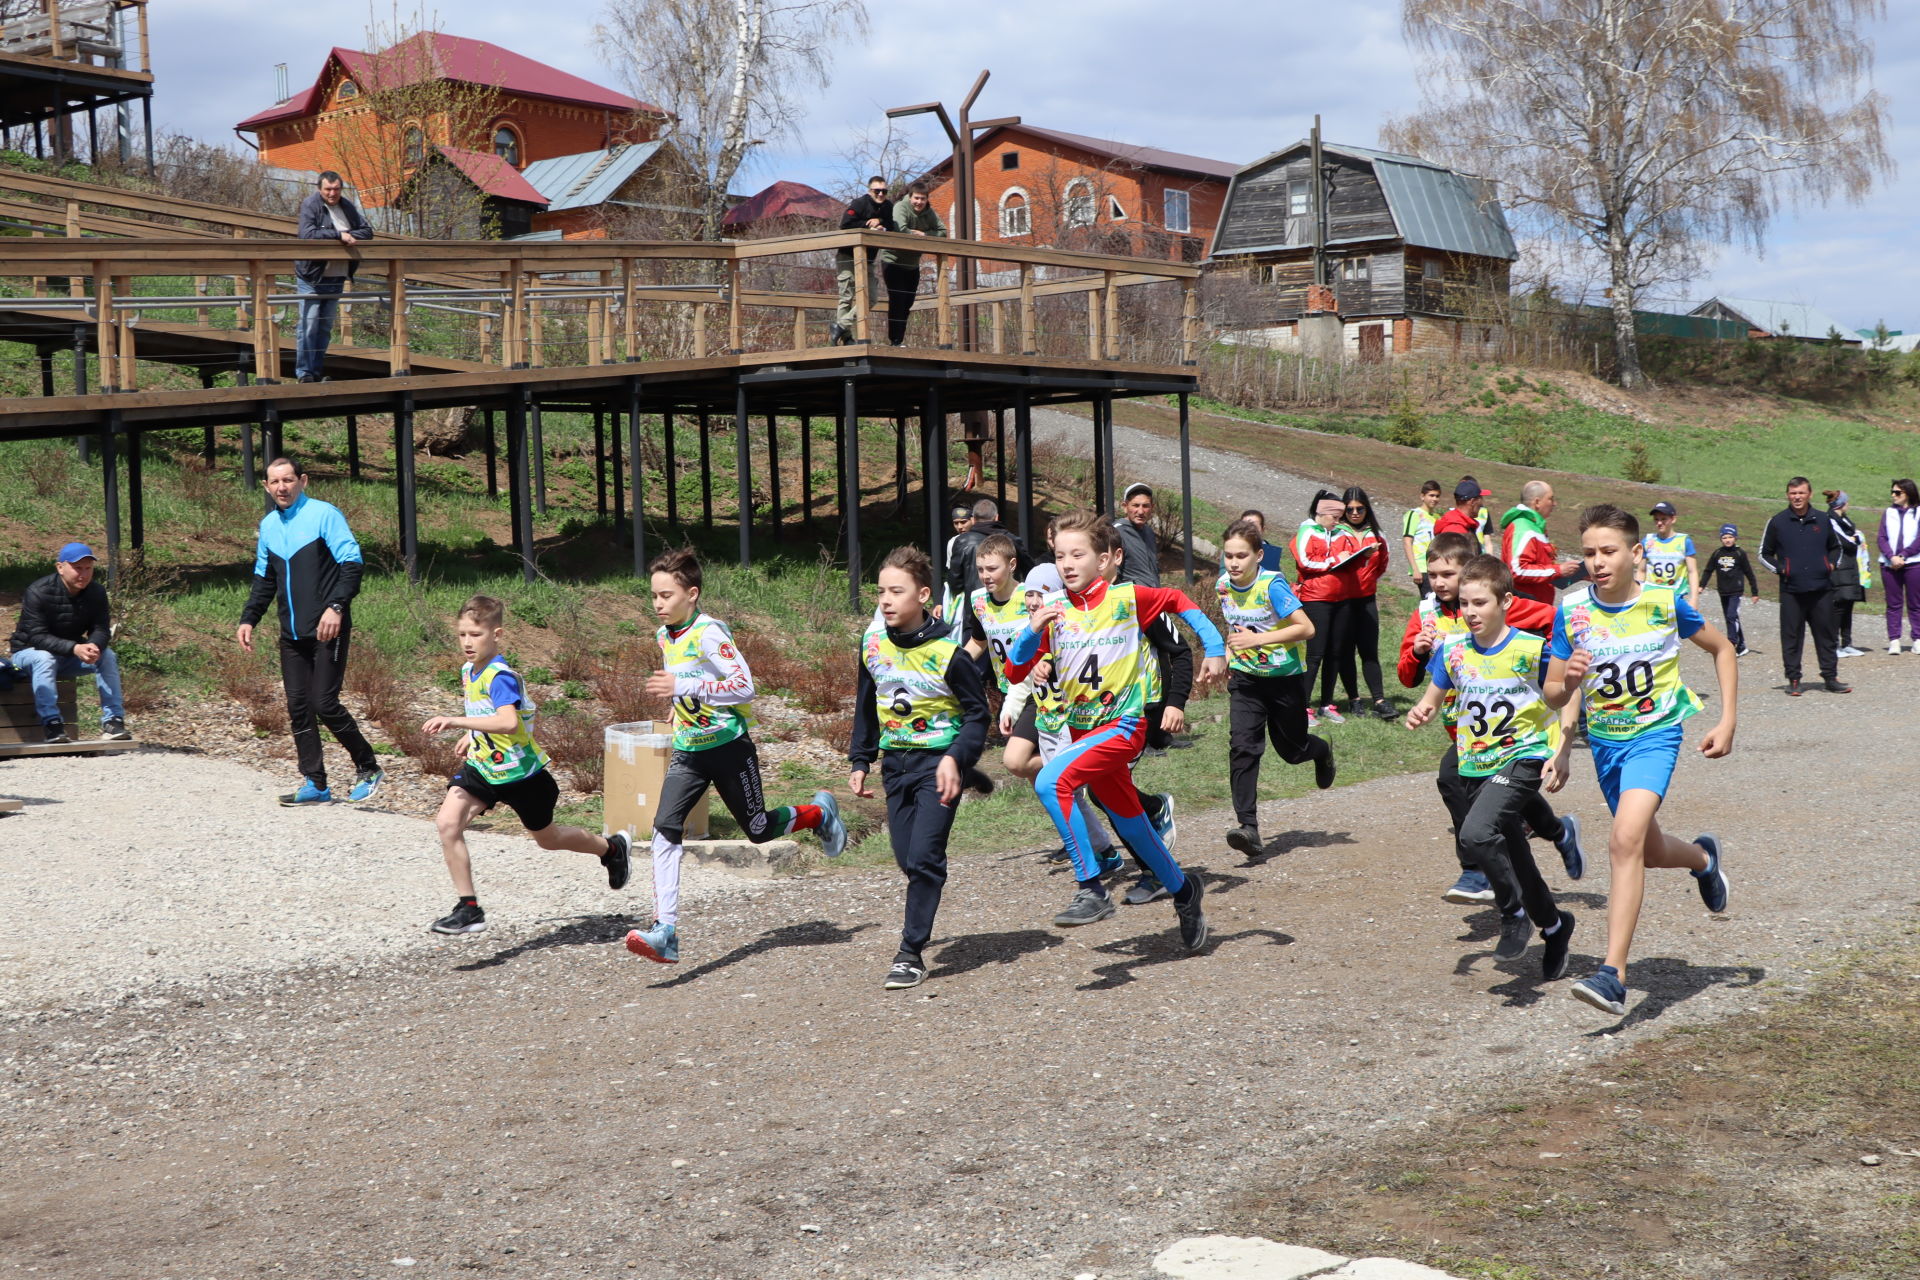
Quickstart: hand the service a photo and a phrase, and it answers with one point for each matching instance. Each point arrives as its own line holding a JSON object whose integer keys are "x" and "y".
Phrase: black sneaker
{"x": 1186, "y": 905}
{"x": 1056, "y": 855}
{"x": 1087, "y": 907}
{"x": 54, "y": 732}
{"x": 1834, "y": 686}
{"x": 1245, "y": 840}
{"x": 618, "y": 860}
{"x": 1323, "y": 770}
{"x": 1516, "y": 931}
{"x": 904, "y": 974}
{"x": 1553, "y": 962}
{"x": 1384, "y": 710}
{"x": 466, "y": 917}
{"x": 973, "y": 780}
{"x": 115, "y": 730}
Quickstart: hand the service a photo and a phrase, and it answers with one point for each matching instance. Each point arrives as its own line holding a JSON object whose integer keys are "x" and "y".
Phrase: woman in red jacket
{"x": 1321, "y": 548}
{"x": 1356, "y": 620}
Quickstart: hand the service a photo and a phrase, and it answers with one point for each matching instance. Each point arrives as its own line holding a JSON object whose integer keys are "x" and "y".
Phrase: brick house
{"x": 1042, "y": 187}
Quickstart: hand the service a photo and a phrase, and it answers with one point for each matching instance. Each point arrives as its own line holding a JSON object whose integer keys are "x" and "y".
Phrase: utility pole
{"x": 1319, "y": 208}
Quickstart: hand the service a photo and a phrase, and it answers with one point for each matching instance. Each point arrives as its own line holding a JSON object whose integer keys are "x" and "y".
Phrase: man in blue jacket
{"x": 309, "y": 562}
{"x": 324, "y": 215}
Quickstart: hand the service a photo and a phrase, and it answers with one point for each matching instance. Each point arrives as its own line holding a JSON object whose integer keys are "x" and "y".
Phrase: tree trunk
{"x": 1626, "y": 342}
{"x": 748, "y": 19}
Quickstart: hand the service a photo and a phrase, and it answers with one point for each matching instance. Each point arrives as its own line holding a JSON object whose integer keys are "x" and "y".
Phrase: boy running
{"x": 1671, "y": 560}
{"x": 712, "y": 692}
{"x": 504, "y": 765}
{"x": 1730, "y": 566}
{"x": 1506, "y": 755}
{"x": 1095, "y": 639}
{"x": 1618, "y": 645}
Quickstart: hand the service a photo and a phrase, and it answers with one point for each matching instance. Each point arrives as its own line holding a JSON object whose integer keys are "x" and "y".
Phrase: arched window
{"x": 348, "y": 89}
{"x": 1016, "y": 219}
{"x": 506, "y": 145}
{"x": 1079, "y": 203}
{"x": 415, "y": 144}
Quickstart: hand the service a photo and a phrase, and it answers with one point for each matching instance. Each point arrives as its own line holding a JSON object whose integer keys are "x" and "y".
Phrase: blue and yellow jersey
{"x": 1264, "y": 604}
{"x": 500, "y": 757}
{"x": 1634, "y": 683}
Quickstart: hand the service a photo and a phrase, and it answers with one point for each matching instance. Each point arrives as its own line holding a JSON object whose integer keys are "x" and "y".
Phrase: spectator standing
{"x": 64, "y": 627}
{"x": 1849, "y": 584}
{"x": 307, "y": 561}
{"x": 900, "y": 268}
{"x": 1416, "y": 534}
{"x": 325, "y": 215}
{"x": 1272, "y": 558}
{"x": 1525, "y": 548}
{"x": 961, "y": 573}
{"x": 1900, "y": 563}
{"x": 1356, "y": 621}
{"x": 1801, "y": 545}
{"x": 1461, "y": 518}
{"x": 962, "y": 519}
{"x": 870, "y": 212}
{"x": 1729, "y": 564}
{"x": 1137, "y": 537}
{"x": 1320, "y": 546}
{"x": 1671, "y": 558}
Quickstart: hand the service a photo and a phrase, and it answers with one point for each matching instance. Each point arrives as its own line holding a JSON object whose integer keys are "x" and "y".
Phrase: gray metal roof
{"x": 1781, "y": 319}
{"x": 589, "y": 178}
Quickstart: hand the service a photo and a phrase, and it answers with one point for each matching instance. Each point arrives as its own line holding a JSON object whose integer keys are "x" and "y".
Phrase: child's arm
{"x": 1693, "y": 575}
{"x": 1032, "y": 644}
{"x": 1422, "y": 711}
{"x": 1154, "y": 601}
{"x": 865, "y": 743}
{"x": 1726, "y": 665}
{"x": 1013, "y": 706}
{"x": 1567, "y": 668}
{"x": 1416, "y": 643}
{"x": 964, "y": 679}
{"x": 1554, "y": 774}
{"x": 504, "y": 720}
{"x": 734, "y": 683}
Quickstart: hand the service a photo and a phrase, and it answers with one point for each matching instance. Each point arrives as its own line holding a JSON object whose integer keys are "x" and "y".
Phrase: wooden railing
{"x": 510, "y": 304}
{"x": 80, "y": 31}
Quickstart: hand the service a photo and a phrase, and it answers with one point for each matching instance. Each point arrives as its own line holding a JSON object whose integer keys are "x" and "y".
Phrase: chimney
{"x": 282, "y": 93}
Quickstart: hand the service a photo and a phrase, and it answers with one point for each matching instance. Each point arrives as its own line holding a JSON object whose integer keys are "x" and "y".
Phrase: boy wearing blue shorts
{"x": 1618, "y": 641}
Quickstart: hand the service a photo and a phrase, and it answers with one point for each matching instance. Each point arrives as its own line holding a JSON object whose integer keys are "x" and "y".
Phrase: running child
{"x": 504, "y": 765}
{"x": 1507, "y": 752}
{"x": 1095, "y": 638}
{"x": 1728, "y": 568}
{"x": 1435, "y": 621}
{"x": 712, "y": 692}
{"x": 1618, "y": 644}
{"x": 921, "y": 707}
{"x": 1267, "y": 689}
{"x": 1671, "y": 560}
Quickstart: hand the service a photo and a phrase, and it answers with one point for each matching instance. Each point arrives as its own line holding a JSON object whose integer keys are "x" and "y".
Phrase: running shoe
{"x": 466, "y": 917}
{"x": 1741, "y": 652}
{"x": 1323, "y": 771}
{"x": 1553, "y": 964}
{"x": 904, "y": 974}
{"x": 1193, "y": 922}
{"x": 1604, "y": 991}
{"x": 1849, "y": 651}
{"x": 1163, "y": 824}
{"x": 114, "y": 729}
{"x": 1245, "y": 840}
{"x": 832, "y": 830}
{"x": 1331, "y": 714}
{"x": 1109, "y": 861}
{"x": 1893, "y": 646}
{"x": 1056, "y": 855}
{"x": 1087, "y": 907}
{"x": 1384, "y": 710}
{"x": 1145, "y": 890}
{"x": 1516, "y": 931}
{"x": 1313, "y": 719}
{"x": 54, "y": 732}
{"x": 660, "y": 943}
{"x": 1713, "y": 881}
{"x": 309, "y": 793}
{"x": 1834, "y": 686}
{"x": 973, "y": 780}
{"x": 1568, "y": 844}
{"x": 1793, "y": 688}
{"x": 365, "y": 785}
{"x": 1470, "y": 890}
{"x": 618, "y": 860}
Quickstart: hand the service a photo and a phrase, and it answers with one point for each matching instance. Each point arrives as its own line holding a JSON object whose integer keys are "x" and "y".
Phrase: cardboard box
{"x": 637, "y": 759}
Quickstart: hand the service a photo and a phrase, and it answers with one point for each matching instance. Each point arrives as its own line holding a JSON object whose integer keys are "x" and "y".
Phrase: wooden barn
{"x": 1417, "y": 256}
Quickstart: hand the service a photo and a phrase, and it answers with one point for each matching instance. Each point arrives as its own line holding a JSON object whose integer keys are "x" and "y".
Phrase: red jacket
{"x": 1525, "y": 615}
{"x": 1525, "y": 549}
{"x": 1317, "y": 551}
{"x": 1362, "y": 576}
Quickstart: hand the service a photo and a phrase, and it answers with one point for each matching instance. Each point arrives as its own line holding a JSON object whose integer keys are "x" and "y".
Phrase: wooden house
{"x": 1418, "y": 255}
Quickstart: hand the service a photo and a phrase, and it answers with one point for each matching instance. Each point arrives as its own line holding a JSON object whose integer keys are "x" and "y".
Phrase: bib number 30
{"x": 1611, "y": 681}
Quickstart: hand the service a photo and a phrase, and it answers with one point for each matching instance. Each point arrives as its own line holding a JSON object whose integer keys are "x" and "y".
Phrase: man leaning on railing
{"x": 324, "y": 215}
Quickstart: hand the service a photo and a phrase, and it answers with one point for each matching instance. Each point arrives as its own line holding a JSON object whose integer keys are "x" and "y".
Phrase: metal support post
{"x": 933, "y": 452}
{"x": 403, "y": 481}
{"x": 639, "y": 493}
{"x": 706, "y": 472}
{"x": 538, "y": 446}
{"x": 599, "y": 464}
{"x": 110, "y": 482}
{"x": 136, "y": 494}
{"x": 517, "y": 411}
{"x": 619, "y": 473}
{"x": 1023, "y": 445}
{"x": 806, "y": 472}
{"x": 493, "y": 452}
{"x": 743, "y": 467}
{"x": 773, "y": 470}
{"x": 1000, "y": 456}
{"x": 1186, "y": 490}
{"x": 667, "y": 469}
{"x": 850, "y": 499}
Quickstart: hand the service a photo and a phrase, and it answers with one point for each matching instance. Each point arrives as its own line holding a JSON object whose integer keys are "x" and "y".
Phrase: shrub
{"x": 49, "y": 469}
{"x": 246, "y": 680}
{"x": 142, "y": 691}
{"x": 619, "y": 681}
{"x": 437, "y": 755}
{"x": 371, "y": 677}
{"x": 1408, "y": 425}
{"x": 576, "y": 741}
{"x": 1639, "y": 466}
{"x": 1527, "y": 442}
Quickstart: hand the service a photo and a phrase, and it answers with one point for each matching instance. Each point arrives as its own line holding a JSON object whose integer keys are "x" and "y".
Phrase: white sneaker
{"x": 1893, "y": 646}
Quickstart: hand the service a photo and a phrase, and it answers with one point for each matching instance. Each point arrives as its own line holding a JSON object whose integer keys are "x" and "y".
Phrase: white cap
{"x": 1043, "y": 578}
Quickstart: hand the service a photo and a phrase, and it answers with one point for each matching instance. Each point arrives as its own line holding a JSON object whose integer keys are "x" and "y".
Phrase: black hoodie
{"x": 963, "y": 677}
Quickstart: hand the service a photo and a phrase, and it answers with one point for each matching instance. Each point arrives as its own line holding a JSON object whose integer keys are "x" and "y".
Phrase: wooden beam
{"x": 397, "y": 341}
{"x": 629, "y": 311}
{"x": 735, "y": 343}
{"x": 1026, "y": 309}
{"x": 943, "y": 302}
{"x": 862, "y": 295}
{"x": 103, "y": 345}
{"x": 1110, "y": 326}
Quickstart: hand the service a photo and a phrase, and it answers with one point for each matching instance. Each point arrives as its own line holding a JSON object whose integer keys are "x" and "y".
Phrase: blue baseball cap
{"x": 75, "y": 552}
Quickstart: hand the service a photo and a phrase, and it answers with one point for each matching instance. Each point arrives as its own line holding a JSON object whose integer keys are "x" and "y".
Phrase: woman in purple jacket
{"x": 1900, "y": 562}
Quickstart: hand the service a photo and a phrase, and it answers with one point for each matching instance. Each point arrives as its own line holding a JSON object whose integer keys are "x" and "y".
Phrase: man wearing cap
{"x": 1525, "y": 547}
{"x": 1671, "y": 559}
{"x": 1462, "y": 518}
{"x": 1729, "y": 564}
{"x": 1802, "y": 546}
{"x": 63, "y": 630}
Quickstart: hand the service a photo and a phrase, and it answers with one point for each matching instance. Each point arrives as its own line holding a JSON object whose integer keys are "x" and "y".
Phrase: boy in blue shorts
{"x": 1619, "y": 642}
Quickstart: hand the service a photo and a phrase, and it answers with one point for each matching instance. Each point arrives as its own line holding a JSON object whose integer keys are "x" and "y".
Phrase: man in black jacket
{"x": 963, "y": 571}
{"x": 324, "y": 215}
{"x": 1802, "y": 546}
{"x": 63, "y": 631}
{"x": 870, "y": 212}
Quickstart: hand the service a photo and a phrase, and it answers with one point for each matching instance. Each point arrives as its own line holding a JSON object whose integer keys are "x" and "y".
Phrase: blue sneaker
{"x": 1713, "y": 881}
{"x": 832, "y": 831}
{"x": 1604, "y": 991}
{"x": 1110, "y": 862}
{"x": 365, "y": 785}
{"x": 660, "y": 944}
{"x": 1470, "y": 890}
{"x": 307, "y": 794}
{"x": 1163, "y": 825}
{"x": 1569, "y": 846}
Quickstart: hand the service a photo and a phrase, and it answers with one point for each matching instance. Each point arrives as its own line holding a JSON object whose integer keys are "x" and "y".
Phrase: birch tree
{"x": 729, "y": 73}
{"x": 1649, "y": 130}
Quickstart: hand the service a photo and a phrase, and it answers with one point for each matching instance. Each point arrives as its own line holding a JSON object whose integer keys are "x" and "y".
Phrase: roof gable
{"x": 589, "y": 178}
{"x": 1781, "y": 319}
{"x": 492, "y": 175}
{"x": 784, "y": 199}
{"x": 1126, "y": 153}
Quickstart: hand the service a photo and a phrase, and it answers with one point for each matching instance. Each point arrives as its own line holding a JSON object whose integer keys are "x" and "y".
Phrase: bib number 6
{"x": 901, "y": 705}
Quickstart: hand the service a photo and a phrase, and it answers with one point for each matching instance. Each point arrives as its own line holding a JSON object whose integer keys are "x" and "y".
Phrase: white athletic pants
{"x": 666, "y": 879}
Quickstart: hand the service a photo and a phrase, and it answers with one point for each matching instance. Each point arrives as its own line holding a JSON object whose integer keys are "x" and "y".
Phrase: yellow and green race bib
{"x": 699, "y": 725}
{"x": 1499, "y": 713}
{"x": 1099, "y": 658}
{"x": 1634, "y": 683}
{"x": 500, "y": 757}
{"x": 918, "y": 712}
{"x": 1001, "y": 623}
{"x": 1448, "y": 627}
{"x": 1667, "y": 560}
{"x": 1251, "y": 609}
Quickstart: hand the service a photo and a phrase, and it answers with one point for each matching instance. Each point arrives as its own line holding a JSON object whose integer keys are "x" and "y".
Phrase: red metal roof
{"x": 492, "y": 175}
{"x": 436, "y": 55}
{"x": 1125, "y": 152}
{"x": 784, "y": 199}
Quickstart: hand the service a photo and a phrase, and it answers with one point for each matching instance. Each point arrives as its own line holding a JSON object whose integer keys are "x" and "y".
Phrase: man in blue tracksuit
{"x": 309, "y": 562}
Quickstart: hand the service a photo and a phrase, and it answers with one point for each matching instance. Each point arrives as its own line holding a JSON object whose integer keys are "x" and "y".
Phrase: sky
{"x": 1211, "y": 81}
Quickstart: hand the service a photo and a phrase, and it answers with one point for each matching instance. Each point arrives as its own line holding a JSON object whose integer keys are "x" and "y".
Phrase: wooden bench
{"x": 20, "y": 733}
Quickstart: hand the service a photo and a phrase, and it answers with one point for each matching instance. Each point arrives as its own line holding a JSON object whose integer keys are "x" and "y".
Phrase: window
{"x": 1079, "y": 203}
{"x": 1177, "y": 206}
{"x": 1016, "y": 219}
{"x": 1298, "y": 205}
{"x": 506, "y": 145}
{"x": 348, "y": 89}
{"x": 1356, "y": 270}
{"x": 415, "y": 144}
{"x": 1430, "y": 270}
{"x": 1009, "y": 159}
{"x": 1115, "y": 209}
